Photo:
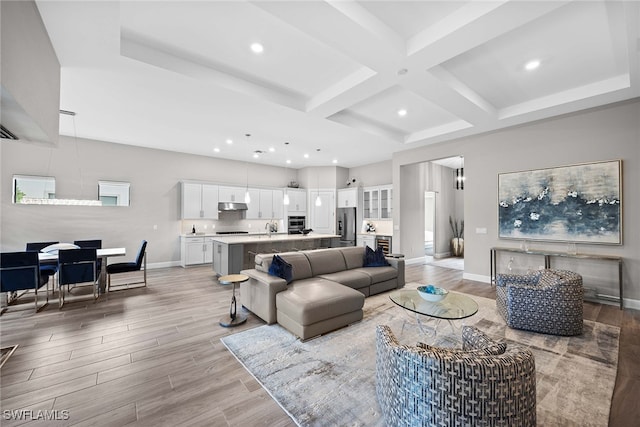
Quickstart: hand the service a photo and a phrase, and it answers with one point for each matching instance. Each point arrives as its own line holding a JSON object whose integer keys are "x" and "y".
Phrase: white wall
{"x": 371, "y": 175}
{"x": 30, "y": 74}
{"x": 605, "y": 133}
{"x": 155, "y": 198}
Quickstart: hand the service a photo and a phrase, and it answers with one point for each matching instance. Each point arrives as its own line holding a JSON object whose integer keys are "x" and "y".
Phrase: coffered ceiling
{"x": 333, "y": 75}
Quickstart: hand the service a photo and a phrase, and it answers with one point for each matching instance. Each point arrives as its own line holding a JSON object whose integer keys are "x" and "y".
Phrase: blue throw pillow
{"x": 374, "y": 258}
{"x": 281, "y": 269}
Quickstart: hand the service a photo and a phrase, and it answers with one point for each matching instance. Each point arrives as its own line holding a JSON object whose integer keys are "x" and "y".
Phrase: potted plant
{"x": 457, "y": 242}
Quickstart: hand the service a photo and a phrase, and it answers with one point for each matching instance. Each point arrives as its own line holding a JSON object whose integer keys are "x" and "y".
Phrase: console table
{"x": 551, "y": 254}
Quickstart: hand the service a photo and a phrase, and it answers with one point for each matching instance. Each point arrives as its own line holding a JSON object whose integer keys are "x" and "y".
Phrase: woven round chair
{"x": 483, "y": 384}
{"x": 548, "y": 301}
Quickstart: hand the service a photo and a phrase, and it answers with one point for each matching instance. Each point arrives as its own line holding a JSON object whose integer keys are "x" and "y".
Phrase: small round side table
{"x": 234, "y": 319}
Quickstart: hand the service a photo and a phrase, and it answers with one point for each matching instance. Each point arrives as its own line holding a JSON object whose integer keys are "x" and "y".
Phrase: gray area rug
{"x": 330, "y": 380}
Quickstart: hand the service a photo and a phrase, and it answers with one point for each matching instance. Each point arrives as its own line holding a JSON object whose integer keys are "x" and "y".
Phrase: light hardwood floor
{"x": 153, "y": 356}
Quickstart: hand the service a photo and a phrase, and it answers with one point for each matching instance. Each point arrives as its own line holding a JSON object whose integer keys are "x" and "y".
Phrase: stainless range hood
{"x": 232, "y": 206}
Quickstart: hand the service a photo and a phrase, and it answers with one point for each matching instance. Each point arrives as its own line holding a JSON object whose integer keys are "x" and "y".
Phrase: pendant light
{"x": 285, "y": 199}
{"x": 69, "y": 202}
{"x": 318, "y": 199}
{"x": 458, "y": 176}
{"x": 247, "y": 196}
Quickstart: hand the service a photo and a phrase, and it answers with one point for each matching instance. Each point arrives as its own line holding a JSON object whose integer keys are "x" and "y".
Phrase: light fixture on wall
{"x": 247, "y": 196}
{"x": 458, "y": 176}
{"x": 285, "y": 199}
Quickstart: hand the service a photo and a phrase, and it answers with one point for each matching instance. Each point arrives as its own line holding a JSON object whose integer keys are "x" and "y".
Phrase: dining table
{"x": 103, "y": 254}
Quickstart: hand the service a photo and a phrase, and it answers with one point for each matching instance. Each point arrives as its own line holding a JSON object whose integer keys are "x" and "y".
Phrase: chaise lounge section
{"x": 327, "y": 290}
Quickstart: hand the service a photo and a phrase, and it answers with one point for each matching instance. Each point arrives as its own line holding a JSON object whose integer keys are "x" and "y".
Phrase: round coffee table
{"x": 234, "y": 319}
{"x": 453, "y": 307}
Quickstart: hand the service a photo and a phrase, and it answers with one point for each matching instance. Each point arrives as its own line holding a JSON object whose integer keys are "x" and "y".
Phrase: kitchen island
{"x": 232, "y": 253}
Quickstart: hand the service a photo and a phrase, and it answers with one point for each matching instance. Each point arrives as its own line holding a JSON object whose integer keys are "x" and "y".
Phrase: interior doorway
{"x": 429, "y": 222}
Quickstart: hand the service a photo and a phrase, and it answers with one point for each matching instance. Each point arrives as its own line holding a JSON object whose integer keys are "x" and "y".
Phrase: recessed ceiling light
{"x": 288, "y": 161}
{"x": 334, "y": 161}
{"x": 257, "y": 48}
{"x": 271, "y": 149}
{"x": 402, "y": 112}
{"x": 216, "y": 150}
{"x": 229, "y": 141}
{"x": 256, "y": 155}
{"x": 532, "y": 65}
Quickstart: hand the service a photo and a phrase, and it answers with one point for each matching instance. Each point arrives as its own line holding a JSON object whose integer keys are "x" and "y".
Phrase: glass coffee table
{"x": 452, "y": 307}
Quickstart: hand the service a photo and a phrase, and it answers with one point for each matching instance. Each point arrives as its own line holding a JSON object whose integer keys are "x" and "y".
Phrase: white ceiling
{"x": 180, "y": 76}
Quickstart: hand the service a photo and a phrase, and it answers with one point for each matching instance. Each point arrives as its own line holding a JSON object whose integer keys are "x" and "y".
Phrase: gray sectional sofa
{"x": 327, "y": 291}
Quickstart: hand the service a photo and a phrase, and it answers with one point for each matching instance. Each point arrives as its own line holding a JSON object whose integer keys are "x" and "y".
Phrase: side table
{"x": 234, "y": 319}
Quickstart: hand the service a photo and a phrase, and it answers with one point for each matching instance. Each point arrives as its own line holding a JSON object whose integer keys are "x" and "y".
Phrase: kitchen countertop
{"x": 277, "y": 237}
{"x": 375, "y": 233}
{"x": 257, "y": 233}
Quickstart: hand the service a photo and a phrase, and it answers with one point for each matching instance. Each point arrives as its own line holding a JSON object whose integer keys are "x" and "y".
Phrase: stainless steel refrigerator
{"x": 346, "y": 226}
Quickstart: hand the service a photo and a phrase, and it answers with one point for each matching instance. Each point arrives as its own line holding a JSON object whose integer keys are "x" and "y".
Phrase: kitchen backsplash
{"x": 229, "y": 224}
{"x": 381, "y": 226}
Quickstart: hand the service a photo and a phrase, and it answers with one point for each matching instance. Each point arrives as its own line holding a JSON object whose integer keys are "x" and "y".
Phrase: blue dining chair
{"x": 20, "y": 271}
{"x": 76, "y": 266}
{"x": 95, "y": 244}
{"x": 125, "y": 267}
{"x": 48, "y": 268}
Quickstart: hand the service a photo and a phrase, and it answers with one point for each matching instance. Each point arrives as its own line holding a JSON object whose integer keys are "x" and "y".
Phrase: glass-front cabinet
{"x": 386, "y": 199}
{"x": 377, "y": 202}
{"x": 371, "y": 202}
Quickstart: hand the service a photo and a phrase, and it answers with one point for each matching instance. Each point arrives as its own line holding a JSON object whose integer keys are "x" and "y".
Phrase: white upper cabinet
{"x": 265, "y": 204}
{"x": 371, "y": 203}
{"x": 386, "y": 202}
{"x": 231, "y": 194}
{"x": 253, "y": 207}
{"x": 297, "y": 202}
{"x": 278, "y": 204}
{"x": 199, "y": 201}
{"x": 347, "y": 198}
{"x": 377, "y": 202}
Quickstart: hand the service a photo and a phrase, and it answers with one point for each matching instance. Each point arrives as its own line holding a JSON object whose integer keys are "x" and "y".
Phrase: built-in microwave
{"x": 296, "y": 224}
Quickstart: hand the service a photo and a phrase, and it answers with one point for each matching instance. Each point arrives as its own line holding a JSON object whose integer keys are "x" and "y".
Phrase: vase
{"x": 457, "y": 246}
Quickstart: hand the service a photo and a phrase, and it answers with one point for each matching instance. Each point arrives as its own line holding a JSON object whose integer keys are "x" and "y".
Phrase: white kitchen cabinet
{"x": 297, "y": 202}
{"x": 253, "y": 207}
{"x": 265, "y": 204}
{"x": 347, "y": 198}
{"x": 199, "y": 201}
{"x": 366, "y": 240}
{"x": 227, "y": 258}
{"x": 231, "y": 194}
{"x": 377, "y": 202}
{"x": 386, "y": 202}
{"x": 278, "y": 204}
{"x": 196, "y": 250}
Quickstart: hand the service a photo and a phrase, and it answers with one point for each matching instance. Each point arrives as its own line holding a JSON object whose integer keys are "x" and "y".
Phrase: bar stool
{"x": 233, "y": 319}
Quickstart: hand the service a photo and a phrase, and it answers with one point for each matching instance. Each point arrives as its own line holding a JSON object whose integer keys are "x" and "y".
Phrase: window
{"x": 113, "y": 193}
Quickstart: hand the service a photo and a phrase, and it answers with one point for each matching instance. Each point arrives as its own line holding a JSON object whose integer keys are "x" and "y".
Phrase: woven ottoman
{"x": 315, "y": 306}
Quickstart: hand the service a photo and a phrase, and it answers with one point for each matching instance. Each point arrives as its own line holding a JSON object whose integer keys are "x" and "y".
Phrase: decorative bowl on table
{"x": 432, "y": 293}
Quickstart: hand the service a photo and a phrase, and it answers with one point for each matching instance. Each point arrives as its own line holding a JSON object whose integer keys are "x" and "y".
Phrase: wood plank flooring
{"x": 153, "y": 356}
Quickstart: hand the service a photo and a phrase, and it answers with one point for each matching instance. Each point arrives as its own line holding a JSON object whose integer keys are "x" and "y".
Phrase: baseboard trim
{"x": 631, "y": 303}
{"x": 419, "y": 260}
{"x": 476, "y": 277}
{"x": 165, "y": 264}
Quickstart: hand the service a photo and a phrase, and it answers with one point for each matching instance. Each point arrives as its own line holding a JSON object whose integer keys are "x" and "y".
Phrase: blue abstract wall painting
{"x": 579, "y": 203}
